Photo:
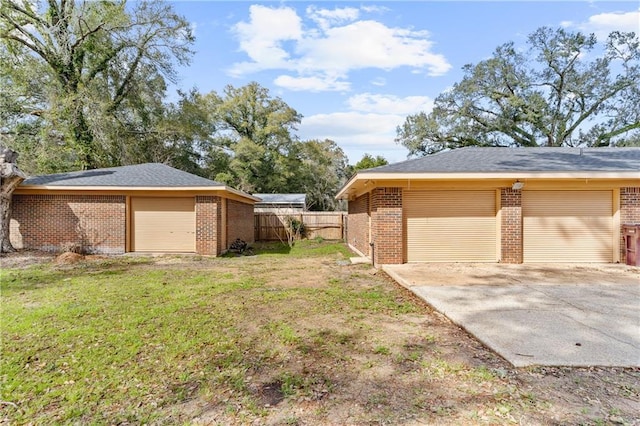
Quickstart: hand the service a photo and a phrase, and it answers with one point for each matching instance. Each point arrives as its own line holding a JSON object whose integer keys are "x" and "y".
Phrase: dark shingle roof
{"x": 141, "y": 175}
{"x": 281, "y": 198}
{"x": 479, "y": 160}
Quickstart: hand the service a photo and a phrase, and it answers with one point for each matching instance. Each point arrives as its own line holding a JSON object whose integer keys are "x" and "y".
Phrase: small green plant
{"x": 381, "y": 350}
{"x": 290, "y": 383}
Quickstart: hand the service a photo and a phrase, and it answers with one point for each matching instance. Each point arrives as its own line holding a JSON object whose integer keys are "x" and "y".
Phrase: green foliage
{"x": 565, "y": 90}
{"x": 80, "y": 80}
{"x": 320, "y": 173}
{"x": 253, "y": 148}
{"x": 297, "y": 227}
{"x": 368, "y": 161}
{"x": 253, "y": 145}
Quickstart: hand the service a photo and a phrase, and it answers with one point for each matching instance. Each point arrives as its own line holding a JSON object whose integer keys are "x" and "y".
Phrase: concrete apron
{"x": 542, "y": 324}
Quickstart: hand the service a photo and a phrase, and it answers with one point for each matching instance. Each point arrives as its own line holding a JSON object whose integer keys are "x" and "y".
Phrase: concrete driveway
{"x": 556, "y": 315}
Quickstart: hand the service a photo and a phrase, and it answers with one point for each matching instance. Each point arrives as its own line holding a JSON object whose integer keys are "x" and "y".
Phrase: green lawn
{"x": 117, "y": 340}
{"x": 286, "y": 336}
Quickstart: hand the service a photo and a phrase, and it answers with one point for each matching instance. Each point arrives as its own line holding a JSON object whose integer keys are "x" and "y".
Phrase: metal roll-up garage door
{"x": 450, "y": 226}
{"x": 163, "y": 224}
{"x": 567, "y": 226}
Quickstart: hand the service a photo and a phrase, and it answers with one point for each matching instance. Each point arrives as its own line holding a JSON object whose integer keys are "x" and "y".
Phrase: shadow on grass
{"x": 270, "y": 247}
{"x": 40, "y": 277}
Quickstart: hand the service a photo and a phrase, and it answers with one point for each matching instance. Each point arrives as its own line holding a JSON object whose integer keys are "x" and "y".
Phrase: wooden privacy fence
{"x": 327, "y": 225}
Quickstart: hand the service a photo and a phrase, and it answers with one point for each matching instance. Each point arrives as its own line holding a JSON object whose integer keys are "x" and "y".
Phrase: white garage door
{"x": 567, "y": 226}
{"x": 450, "y": 226}
{"x": 163, "y": 224}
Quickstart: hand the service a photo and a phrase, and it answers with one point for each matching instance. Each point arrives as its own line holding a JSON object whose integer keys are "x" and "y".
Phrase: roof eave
{"x": 373, "y": 176}
{"x": 81, "y": 188}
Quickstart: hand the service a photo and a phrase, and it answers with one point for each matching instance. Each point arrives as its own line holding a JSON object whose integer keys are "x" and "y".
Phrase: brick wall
{"x": 511, "y": 225}
{"x": 49, "y": 222}
{"x": 208, "y": 222}
{"x": 358, "y": 224}
{"x": 629, "y": 213}
{"x": 240, "y": 222}
{"x": 386, "y": 225}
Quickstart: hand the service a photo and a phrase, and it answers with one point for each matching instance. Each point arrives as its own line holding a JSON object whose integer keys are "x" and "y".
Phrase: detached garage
{"x": 507, "y": 205}
{"x": 141, "y": 208}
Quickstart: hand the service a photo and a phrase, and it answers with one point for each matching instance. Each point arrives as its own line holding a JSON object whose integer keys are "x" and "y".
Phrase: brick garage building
{"x": 141, "y": 208}
{"x": 508, "y": 205}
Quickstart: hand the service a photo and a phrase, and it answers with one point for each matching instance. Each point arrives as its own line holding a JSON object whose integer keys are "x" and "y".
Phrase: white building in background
{"x": 281, "y": 203}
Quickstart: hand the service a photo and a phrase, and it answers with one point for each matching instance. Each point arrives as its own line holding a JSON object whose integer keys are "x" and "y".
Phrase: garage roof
{"x": 494, "y": 163}
{"x": 149, "y": 176}
{"x": 489, "y": 159}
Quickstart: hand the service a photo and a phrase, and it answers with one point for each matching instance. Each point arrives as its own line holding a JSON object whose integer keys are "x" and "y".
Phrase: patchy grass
{"x": 303, "y": 248}
{"x": 287, "y": 336}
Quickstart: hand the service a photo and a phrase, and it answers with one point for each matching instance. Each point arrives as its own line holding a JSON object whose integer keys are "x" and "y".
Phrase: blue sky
{"x": 355, "y": 70}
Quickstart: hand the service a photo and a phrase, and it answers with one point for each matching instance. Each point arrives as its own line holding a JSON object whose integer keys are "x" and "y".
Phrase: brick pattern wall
{"x": 208, "y": 222}
{"x": 386, "y": 225}
{"x": 358, "y": 224}
{"x": 511, "y": 225}
{"x": 240, "y": 222}
{"x": 629, "y": 213}
{"x": 50, "y": 222}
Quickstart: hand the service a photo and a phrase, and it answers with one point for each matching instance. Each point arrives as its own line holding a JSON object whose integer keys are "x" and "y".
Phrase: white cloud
{"x": 368, "y": 126}
{"x": 262, "y": 38}
{"x": 375, "y": 9}
{"x": 357, "y": 133}
{"x": 326, "y": 18}
{"x": 389, "y": 104}
{"x": 379, "y": 81}
{"x": 312, "y": 84}
{"x": 604, "y": 23}
{"x": 331, "y": 45}
{"x": 370, "y": 44}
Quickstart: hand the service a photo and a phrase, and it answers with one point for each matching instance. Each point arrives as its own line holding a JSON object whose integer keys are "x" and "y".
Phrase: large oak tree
{"x": 566, "y": 89}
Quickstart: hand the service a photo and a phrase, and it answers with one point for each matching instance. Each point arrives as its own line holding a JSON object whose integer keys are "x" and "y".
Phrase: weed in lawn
{"x": 413, "y": 356}
{"x": 290, "y": 383}
{"x": 481, "y": 374}
{"x": 286, "y": 334}
{"x": 381, "y": 350}
{"x": 439, "y": 368}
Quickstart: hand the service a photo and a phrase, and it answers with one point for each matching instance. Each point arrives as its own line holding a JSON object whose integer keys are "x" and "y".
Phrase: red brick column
{"x": 511, "y": 225}
{"x": 629, "y": 213}
{"x": 358, "y": 224}
{"x": 208, "y": 223}
{"x": 386, "y": 225}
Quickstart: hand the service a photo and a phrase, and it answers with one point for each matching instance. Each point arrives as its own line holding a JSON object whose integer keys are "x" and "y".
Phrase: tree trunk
{"x": 11, "y": 176}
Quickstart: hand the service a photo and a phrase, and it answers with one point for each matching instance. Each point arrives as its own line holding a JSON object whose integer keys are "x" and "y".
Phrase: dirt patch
{"x": 69, "y": 258}
{"x": 24, "y": 258}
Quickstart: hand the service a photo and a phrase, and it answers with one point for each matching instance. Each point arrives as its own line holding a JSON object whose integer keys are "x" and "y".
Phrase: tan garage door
{"x": 450, "y": 226}
{"x": 163, "y": 224}
{"x": 567, "y": 226}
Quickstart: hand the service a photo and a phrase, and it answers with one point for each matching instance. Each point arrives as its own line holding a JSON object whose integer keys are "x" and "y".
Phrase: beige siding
{"x": 163, "y": 224}
{"x": 567, "y": 226}
{"x": 450, "y": 226}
